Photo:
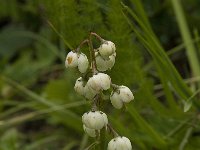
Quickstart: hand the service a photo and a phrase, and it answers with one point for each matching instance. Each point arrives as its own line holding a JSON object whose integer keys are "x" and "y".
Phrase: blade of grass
{"x": 74, "y": 118}
{"x": 196, "y": 36}
{"x": 178, "y": 128}
{"x": 91, "y": 146}
{"x": 84, "y": 142}
{"x": 159, "y": 68}
{"x": 31, "y": 115}
{"x": 39, "y": 143}
{"x": 60, "y": 35}
{"x": 182, "y": 46}
{"x": 17, "y": 108}
{"x": 187, "y": 81}
{"x": 172, "y": 105}
{"x": 120, "y": 128}
{"x": 146, "y": 127}
{"x": 187, "y": 39}
{"x": 174, "y": 50}
{"x": 185, "y": 139}
{"x": 188, "y": 102}
{"x": 139, "y": 8}
{"x": 161, "y": 59}
{"x": 70, "y": 145}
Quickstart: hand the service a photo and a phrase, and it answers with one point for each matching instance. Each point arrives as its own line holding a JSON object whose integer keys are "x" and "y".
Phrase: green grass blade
{"x": 187, "y": 39}
{"x": 146, "y": 127}
{"x": 161, "y": 59}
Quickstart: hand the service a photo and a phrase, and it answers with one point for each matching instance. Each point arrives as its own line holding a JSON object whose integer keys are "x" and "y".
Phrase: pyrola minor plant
{"x": 93, "y": 83}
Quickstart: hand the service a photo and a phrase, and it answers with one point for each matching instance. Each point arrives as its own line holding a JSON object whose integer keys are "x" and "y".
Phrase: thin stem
{"x": 59, "y": 34}
{"x": 86, "y": 41}
{"x": 188, "y": 132}
{"x": 178, "y": 128}
{"x": 94, "y": 106}
{"x": 97, "y": 36}
{"x": 92, "y": 145}
{"x": 114, "y": 133}
{"x": 95, "y": 103}
{"x": 114, "y": 86}
{"x": 92, "y": 55}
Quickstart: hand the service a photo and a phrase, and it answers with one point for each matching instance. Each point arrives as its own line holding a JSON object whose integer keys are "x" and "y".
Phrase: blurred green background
{"x": 158, "y": 57}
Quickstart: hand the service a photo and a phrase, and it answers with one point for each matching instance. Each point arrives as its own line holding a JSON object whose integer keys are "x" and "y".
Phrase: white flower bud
{"x": 71, "y": 60}
{"x": 115, "y": 101}
{"x": 106, "y": 49}
{"x": 105, "y": 81}
{"x": 95, "y": 120}
{"x": 82, "y": 63}
{"x": 83, "y": 89}
{"x": 98, "y": 82}
{"x": 120, "y": 143}
{"x": 111, "y": 61}
{"x": 105, "y": 64}
{"x": 125, "y": 94}
{"x": 121, "y": 95}
{"x": 89, "y": 93}
{"x": 105, "y": 118}
{"x": 74, "y": 59}
{"x": 90, "y": 132}
{"x": 79, "y": 86}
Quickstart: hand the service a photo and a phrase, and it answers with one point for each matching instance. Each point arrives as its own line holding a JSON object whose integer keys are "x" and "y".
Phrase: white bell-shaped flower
{"x": 71, "y": 60}
{"x": 121, "y": 95}
{"x": 83, "y": 89}
{"x": 79, "y": 86}
{"x": 106, "y": 49}
{"x": 115, "y": 101}
{"x": 90, "y": 132}
{"x": 79, "y": 60}
{"x": 89, "y": 93}
{"x": 98, "y": 82}
{"x": 105, "y": 64}
{"x": 120, "y": 143}
{"x": 83, "y": 63}
{"x": 95, "y": 120}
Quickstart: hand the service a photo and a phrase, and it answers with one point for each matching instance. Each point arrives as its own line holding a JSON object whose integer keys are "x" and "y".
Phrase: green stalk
{"x": 187, "y": 39}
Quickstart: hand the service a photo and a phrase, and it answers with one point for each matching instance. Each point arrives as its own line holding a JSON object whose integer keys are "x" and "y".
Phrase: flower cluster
{"x": 93, "y": 83}
{"x": 79, "y": 60}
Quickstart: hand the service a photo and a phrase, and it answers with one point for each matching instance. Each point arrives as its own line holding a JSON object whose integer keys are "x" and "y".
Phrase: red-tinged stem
{"x": 86, "y": 41}
{"x": 92, "y": 55}
{"x": 97, "y": 36}
{"x": 114, "y": 133}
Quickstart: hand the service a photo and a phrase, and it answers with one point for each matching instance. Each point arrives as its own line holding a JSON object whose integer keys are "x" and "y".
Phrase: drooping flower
{"x": 106, "y": 49}
{"x": 99, "y": 82}
{"x": 89, "y": 93}
{"x": 120, "y": 143}
{"x": 104, "y": 64}
{"x": 74, "y": 60}
{"x": 79, "y": 86}
{"x": 83, "y": 63}
{"x": 121, "y": 95}
{"x": 90, "y": 132}
{"x": 71, "y": 60}
{"x": 95, "y": 120}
